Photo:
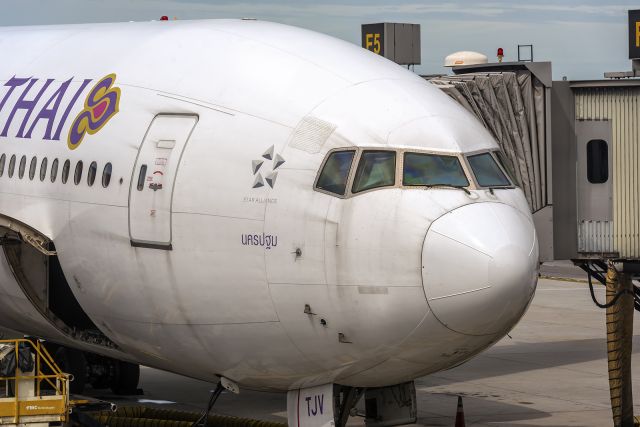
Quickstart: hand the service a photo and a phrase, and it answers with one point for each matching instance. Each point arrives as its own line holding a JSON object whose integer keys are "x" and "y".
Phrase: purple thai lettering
{"x": 24, "y": 104}
{"x": 12, "y": 84}
{"x": 49, "y": 112}
{"x": 84, "y": 84}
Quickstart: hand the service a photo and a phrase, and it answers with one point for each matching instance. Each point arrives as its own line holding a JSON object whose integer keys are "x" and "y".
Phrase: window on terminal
{"x": 597, "y": 161}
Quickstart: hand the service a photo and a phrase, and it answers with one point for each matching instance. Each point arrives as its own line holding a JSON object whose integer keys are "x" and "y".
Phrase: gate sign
{"x": 634, "y": 34}
{"x": 373, "y": 38}
{"x": 395, "y": 41}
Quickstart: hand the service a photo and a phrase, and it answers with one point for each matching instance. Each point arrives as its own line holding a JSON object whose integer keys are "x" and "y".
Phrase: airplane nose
{"x": 480, "y": 267}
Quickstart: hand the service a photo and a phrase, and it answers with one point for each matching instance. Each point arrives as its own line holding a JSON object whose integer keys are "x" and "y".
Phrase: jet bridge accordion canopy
{"x": 511, "y": 105}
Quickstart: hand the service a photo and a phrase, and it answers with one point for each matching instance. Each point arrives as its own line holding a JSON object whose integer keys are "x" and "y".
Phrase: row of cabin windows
{"x": 53, "y": 172}
{"x": 377, "y": 168}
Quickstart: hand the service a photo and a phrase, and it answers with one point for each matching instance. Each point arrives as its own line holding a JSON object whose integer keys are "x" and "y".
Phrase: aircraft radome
{"x": 252, "y": 201}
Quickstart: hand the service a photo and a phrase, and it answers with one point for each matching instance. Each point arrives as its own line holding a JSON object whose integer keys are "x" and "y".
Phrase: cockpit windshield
{"x": 335, "y": 173}
{"x": 433, "y": 169}
{"x": 353, "y": 170}
{"x": 376, "y": 169}
{"x": 487, "y": 171}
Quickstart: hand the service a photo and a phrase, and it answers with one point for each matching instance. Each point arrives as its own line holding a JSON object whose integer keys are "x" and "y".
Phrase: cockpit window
{"x": 487, "y": 171}
{"x": 335, "y": 173}
{"x": 432, "y": 169}
{"x": 376, "y": 169}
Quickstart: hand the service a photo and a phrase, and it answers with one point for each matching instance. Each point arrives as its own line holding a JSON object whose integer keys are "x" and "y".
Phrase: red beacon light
{"x": 164, "y": 18}
{"x": 500, "y": 54}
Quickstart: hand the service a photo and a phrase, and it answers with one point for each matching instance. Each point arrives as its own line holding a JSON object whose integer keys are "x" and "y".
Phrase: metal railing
{"x": 52, "y": 403}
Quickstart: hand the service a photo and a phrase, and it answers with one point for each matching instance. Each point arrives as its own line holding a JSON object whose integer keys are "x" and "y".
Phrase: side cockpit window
{"x": 335, "y": 172}
{"x": 487, "y": 171}
{"x": 432, "y": 169}
{"x": 376, "y": 169}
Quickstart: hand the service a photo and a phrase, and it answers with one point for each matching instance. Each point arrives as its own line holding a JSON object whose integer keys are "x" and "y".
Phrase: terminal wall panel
{"x": 620, "y": 106}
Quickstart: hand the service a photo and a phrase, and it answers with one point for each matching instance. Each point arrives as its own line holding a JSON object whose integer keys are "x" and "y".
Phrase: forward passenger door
{"x": 154, "y": 173}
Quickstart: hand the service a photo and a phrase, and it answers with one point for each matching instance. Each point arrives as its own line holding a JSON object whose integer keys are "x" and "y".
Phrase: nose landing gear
{"x": 332, "y": 404}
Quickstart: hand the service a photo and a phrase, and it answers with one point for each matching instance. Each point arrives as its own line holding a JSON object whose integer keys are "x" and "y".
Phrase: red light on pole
{"x": 500, "y": 54}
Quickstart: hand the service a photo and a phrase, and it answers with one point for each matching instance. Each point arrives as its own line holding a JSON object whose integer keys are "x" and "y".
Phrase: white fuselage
{"x": 202, "y": 274}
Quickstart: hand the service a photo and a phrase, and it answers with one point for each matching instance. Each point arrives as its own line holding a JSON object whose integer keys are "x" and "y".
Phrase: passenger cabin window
{"x": 106, "y": 175}
{"x": 65, "y": 171}
{"x": 23, "y": 165}
{"x": 432, "y": 169}
{"x": 376, "y": 169}
{"x": 77, "y": 175}
{"x": 487, "y": 171}
{"x": 54, "y": 170}
{"x": 335, "y": 172}
{"x": 12, "y": 165}
{"x": 3, "y": 159}
{"x": 91, "y": 175}
{"x": 32, "y": 167}
{"x": 43, "y": 169}
{"x": 597, "y": 161}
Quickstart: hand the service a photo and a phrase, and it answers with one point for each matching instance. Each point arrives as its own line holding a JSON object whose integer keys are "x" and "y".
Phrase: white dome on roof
{"x": 464, "y": 58}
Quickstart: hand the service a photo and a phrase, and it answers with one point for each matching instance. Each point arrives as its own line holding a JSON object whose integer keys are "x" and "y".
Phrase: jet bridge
{"x": 512, "y": 100}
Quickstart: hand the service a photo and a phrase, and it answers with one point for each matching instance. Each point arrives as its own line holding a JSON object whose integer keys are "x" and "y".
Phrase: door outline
{"x": 146, "y": 243}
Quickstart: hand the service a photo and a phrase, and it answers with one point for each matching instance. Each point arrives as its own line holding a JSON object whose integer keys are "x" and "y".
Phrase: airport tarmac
{"x": 552, "y": 371}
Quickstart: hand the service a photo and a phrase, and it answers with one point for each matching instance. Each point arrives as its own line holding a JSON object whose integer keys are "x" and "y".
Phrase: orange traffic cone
{"x": 460, "y": 414}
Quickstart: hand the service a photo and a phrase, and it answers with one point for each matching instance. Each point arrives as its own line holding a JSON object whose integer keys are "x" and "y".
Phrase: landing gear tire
{"x": 73, "y": 362}
{"x": 126, "y": 378}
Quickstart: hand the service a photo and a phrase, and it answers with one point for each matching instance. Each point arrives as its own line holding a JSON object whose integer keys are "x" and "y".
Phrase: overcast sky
{"x": 583, "y": 39}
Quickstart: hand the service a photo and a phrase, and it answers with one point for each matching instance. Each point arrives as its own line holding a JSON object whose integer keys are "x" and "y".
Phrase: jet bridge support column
{"x": 619, "y": 336}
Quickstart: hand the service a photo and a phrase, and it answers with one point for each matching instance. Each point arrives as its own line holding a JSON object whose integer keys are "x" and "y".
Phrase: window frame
{"x": 493, "y": 154}
{"x": 396, "y": 152}
{"x": 349, "y": 175}
{"x": 464, "y": 171}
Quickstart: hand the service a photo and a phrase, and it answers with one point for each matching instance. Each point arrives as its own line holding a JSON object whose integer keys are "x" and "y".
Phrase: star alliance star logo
{"x": 271, "y": 176}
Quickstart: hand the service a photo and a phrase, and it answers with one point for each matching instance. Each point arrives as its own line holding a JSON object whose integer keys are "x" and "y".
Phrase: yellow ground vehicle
{"x": 33, "y": 389}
